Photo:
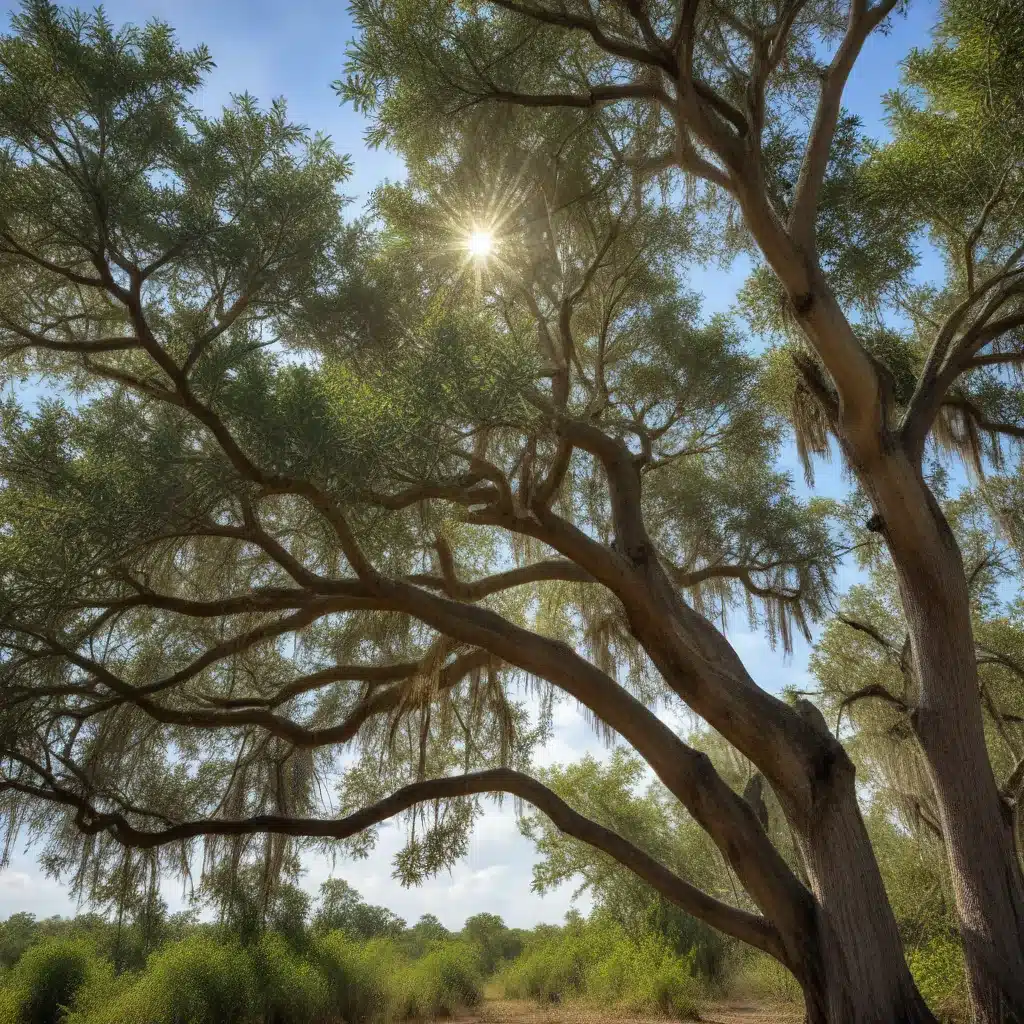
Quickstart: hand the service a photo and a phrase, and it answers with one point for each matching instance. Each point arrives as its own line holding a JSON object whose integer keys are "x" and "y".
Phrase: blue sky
{"x": 296, "y": 50}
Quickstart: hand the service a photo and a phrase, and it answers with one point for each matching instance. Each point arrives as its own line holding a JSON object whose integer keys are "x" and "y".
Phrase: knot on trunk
{"x": 876, "y": 524}
{"x": 802, "y": 303}
{"x": 639, "y": 553}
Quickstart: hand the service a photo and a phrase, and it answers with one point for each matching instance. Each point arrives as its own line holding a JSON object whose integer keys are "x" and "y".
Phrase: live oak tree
{"x": 737, "y": 107}
{"x": 311, "y": 486}
{"x": 308, "y": 487}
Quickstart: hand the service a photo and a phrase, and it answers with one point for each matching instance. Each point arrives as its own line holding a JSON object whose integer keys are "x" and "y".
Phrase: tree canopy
{"x": 320, "y": 515}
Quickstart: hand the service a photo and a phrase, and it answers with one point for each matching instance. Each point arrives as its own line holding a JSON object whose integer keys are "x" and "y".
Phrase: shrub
{"x": 291, "y": 991}
{"x": 598, "y": 962}
{"x": 102, "y": 987}
{"x": 47, "y": 978}
{"x": 364, "y": 980}
{"x": 195, "y": 981}
{"x": 644, "y": 976}
{"x": 9, "y": 1006}
{"x": 447, "y": 978}
{"x": 761, "y": 978}
{"x": 548, "y": 973}
{"x": 938, "y": 969}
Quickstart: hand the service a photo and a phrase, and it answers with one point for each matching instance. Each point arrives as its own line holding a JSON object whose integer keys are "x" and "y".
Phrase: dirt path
{"x": 514, "y": 1011}
{"x": 740, "y": 1013}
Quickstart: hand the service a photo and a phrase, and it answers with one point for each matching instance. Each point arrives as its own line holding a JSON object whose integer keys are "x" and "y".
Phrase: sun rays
{"x": 480, "y": 243}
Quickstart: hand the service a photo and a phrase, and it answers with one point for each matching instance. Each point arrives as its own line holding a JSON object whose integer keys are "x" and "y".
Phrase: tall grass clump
{"x": 599, "y": 962}
{"x": 195, "y": 981}
{"x": 938, "y": 969}
{"x": 46, "y": 980}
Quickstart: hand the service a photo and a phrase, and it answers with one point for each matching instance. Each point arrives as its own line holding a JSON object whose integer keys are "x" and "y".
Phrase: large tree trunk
{"x": 948, "y": 722}
{"x": 863, "y": 975}
{"x": 840, "y": 939}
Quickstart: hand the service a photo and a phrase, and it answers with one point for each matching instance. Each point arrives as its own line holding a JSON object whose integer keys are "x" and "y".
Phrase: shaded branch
{"x": 597, "y": 96}
{"x": 657, "y": 56}
{"x": 560, "y": 569}
{"x": 750, "y": 928}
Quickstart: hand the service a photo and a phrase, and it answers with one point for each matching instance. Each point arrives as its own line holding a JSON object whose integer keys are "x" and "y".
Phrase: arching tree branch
{"x": 748, "y": 927}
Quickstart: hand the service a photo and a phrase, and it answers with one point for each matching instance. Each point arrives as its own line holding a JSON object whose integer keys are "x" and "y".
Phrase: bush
{"x": 9, "y": 1006}
{"x": 47, "y": 978}
{"x": 598, "y": 962}
{"x": 644, "y": 976}
{"x": 195, "y": 981}
{"x": 546, "y": 973}
{"x": 377, "y": 981}
{"x": 291, "y": 991}
{"x": 363, "y": 979}
{"x": 447, "y": 978}
{"x": 102, "y": 987}
{"x": 938, "y": 969}
{"x": 761, "y": 978}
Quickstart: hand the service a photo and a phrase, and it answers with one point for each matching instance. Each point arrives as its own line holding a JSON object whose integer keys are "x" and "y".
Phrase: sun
{"x": 480, "y": 243}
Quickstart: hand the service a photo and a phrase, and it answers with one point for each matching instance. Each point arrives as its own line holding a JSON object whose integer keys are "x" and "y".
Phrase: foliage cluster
{"x": 597, "y": 961}
{"x": 203, "y": 979}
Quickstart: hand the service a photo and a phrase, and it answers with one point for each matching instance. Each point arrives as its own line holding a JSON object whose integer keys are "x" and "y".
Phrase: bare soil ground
{"x": 744, "y": 1013}
{"x": 513, "y": 1011}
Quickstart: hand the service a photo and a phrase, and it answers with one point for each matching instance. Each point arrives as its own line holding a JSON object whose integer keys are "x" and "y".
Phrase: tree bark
{"x": 948, "y": 722}
{"x": 843, "y": 945}
{"x": 863, "y": 975}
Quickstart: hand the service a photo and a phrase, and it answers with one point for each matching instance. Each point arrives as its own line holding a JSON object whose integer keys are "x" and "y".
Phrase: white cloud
{"x": 23, "y": 887}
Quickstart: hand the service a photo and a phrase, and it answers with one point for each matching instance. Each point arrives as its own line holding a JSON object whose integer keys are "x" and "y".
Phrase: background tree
{"x": 867, "y": 683}
{"x": 612, "y": 795}
{"x": 496, "y": 941}
{"x": 342, "y": 908}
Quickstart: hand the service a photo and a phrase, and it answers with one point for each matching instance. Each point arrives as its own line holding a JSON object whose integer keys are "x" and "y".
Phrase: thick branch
{"x": 560, "y": 569}
{"x": 687, "y": 773}
{"x": 657, "y": 56}
{"x": 597, "y": 96}
{"x": 804, "y": 213}
{"x": 747, "y": 927}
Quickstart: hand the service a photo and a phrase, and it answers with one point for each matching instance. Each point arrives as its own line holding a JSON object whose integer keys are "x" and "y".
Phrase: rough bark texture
{"x": 864, "y": 977}
{"x": 948, "y": 723}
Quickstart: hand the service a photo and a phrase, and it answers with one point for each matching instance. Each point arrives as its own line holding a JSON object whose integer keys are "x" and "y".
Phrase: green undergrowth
{"x": 758, "y": 978}
{"x": 47, "y": 978}
{"x": 599, "y": 963}
{"x": 203, "y": 980}
{"x": 331, "y": 977}
{"x": 938, "y": 969}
